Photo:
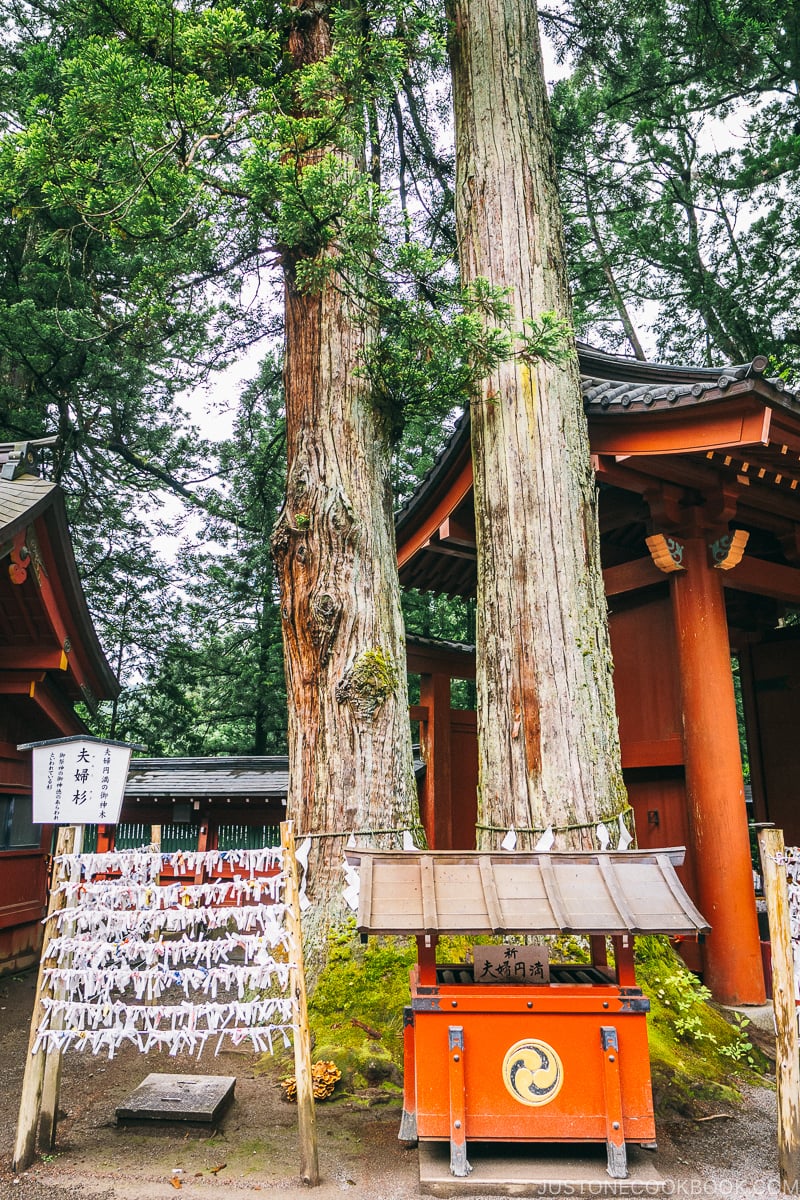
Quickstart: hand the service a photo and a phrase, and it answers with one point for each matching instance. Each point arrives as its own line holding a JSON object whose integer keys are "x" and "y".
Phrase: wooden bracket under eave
{"x": 666, "y": 553}
{"x": 727, "y": 551}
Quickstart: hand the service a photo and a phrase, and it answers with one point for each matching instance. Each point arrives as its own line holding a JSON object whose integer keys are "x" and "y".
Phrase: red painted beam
{"x": 630, "y": 576}
{"x": 455, "y": 494}
{"x": 764, "y": 578}
{"x": 34, "y": 658}
{"x": 666, "y": 752}
{"x": 701, "y": 429}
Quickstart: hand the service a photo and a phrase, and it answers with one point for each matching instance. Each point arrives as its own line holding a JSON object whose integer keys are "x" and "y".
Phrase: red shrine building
{"x": 698, "y": 472}
{"x": 50, "y": 659}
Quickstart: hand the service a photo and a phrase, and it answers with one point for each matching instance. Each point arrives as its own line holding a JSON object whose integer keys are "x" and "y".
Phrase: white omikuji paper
{"x": 124, "y": 945}
{"x": 80, "y": 782}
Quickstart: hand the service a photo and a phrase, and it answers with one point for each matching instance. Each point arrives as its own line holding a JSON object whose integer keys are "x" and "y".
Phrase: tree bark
{"x": 547, "y": 726}
{"x": 350, "y": 758}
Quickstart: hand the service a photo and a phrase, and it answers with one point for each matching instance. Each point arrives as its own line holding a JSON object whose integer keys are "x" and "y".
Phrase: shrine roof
{"x": 240, "y": 777}
{"x": 455, "y": 892}
{"x": 26, "y": 502}
{"x": 257, "y": 777}
{"x": 615, "y": 384}
{"x": 21, "y": 501}
{"x": 696, "y": 428}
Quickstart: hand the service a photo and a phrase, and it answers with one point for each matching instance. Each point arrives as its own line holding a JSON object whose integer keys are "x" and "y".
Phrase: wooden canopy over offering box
{"x": 565, "y": 1061}
{"x": 590, "y": 893}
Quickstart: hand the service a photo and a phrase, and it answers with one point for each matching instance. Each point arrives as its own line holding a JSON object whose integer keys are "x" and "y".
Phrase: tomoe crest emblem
{"x": 532, "y": 1072}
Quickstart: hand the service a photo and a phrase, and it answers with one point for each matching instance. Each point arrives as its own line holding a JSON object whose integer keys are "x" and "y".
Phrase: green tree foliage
{"x": 678, "y": 135}
{"x": 218, "y": 687}
{"x": 148, "y": 168}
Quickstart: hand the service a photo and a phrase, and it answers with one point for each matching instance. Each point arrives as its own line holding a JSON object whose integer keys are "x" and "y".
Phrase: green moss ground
{"x": 698, "y": 1057}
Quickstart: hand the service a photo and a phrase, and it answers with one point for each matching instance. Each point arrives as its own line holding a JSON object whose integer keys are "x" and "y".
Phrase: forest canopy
{"x": 150, "y": 191}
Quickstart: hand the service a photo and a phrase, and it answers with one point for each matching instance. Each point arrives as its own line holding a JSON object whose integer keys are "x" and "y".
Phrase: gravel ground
{"x": 254, "y": 1150}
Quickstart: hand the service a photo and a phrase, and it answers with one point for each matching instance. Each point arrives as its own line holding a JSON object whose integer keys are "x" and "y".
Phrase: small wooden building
{"x": 202, "y": 803}
{"x": 50, "y": 659}
{"x": 698, "y": 472}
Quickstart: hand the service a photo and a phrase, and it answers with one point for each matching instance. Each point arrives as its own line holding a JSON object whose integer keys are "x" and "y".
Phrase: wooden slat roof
{"x": 240, "y": 777}
{"x": 21, "y": 500}
{"x": 251, "y": 776}
{"x": 613, "y": 892}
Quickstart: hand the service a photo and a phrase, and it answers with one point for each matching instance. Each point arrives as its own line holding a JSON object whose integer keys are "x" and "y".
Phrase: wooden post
{"x": 33, "y": 1079}
{"x": 714, "y": 785}
{"x": 52, "y": 1068}
{"x": 787, "y": 1067}
{"x": 434, "y": 694}
{"x": 306, "y": 1113}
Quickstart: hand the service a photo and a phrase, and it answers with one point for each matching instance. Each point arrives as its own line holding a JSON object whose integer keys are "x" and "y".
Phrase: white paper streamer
{"x": 301, "y": 858}
{"x": 625, "y": 838}
{"x": 128, "y": 937}
{"x": 546, "y": 841}
{"x": 145, "y": 864}
{"x": 352, "y": 885}
{"x": 509, "y": 842}
{"x": 120, "y": 922}
{"x": 603, "y": 836}
{"x": 176, "y": 1041}
{"x": 88, "y": 951}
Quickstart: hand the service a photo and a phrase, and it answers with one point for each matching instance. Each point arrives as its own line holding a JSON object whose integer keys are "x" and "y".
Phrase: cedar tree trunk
{"x": 547, "y": 725}
{"x": 350, "y": 760}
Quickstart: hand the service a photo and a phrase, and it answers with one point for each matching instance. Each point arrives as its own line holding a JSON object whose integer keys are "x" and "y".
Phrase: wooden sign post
{"x": 33, "y": 1081}
{"x": 306, "y": 1113}
{"x": 787, "y": 1066}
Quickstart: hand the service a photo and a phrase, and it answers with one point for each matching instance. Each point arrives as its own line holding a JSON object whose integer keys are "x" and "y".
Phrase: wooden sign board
{"x": 511, "y": 964}
{"x": 79, "y": 781}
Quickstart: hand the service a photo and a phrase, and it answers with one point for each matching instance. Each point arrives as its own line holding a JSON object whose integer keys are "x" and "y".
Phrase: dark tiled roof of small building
{"x": 243, "y": 777}
{"x": 253, "y": 777}
{"x": 431, "y": 643}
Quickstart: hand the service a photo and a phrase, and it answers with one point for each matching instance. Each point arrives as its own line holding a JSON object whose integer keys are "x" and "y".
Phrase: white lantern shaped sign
{"x": 78, "y": 780}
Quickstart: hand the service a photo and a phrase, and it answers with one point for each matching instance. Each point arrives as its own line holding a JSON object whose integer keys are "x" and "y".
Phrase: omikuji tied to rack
{"x": 490, "y": 1059}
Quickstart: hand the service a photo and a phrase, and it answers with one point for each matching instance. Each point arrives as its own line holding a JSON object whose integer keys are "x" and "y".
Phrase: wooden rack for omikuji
{"x": 135, "y": 922}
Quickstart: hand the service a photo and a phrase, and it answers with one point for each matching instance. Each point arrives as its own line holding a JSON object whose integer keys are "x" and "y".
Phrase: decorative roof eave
{"x": 742, "y": 420}
{"x": 609, "y": 398}
{"x": 447, "y": 472}
{"x": 25, "y": 501}
{"x": 652, "y": 395}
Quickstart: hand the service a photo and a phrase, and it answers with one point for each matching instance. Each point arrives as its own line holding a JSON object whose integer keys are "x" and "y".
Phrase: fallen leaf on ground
{"x": 219, "y": 1167}
{"x": 175, "y": 1181}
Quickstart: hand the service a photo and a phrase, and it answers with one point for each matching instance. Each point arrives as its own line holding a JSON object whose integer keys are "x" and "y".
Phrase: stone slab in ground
{"x": 178, "y": 1098}
{"x": 504, "y": 1169}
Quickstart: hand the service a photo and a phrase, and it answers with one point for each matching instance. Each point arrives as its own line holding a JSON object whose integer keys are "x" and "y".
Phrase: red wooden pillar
{"x": 714, "y": 787}
{"x": 434, "y": 694}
